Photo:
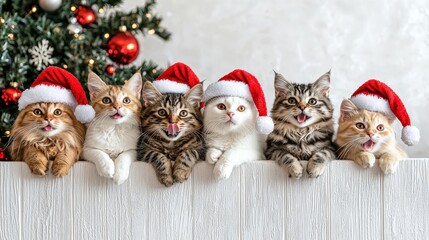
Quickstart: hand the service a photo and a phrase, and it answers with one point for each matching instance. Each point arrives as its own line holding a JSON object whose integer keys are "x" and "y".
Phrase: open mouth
{"x": 301, "y": 118}
{"x": 116, "y": 116}
{"x": 48, "y": 128}
{"x": 171, "y": 135}
{"x": 368, "y": 145}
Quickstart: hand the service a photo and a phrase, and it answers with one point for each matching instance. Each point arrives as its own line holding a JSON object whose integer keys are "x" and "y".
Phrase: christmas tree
{"x": 74, "y": 35}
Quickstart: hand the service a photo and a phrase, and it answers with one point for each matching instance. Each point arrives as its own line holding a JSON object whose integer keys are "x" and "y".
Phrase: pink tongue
{"x": 368, "y": 145}
{"x": 47, "y": 128}
{"x": 301, "y": 118}
{"x": 173, "y": 128}
{"x": 116, "y": 116}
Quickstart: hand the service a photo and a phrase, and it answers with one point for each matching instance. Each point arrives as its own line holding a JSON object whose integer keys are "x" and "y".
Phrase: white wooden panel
{"x": 10, "y": 200}
{"x": 406, "y": 201}
{"x": 356, "y": 201}
{"x": 262, "y": 200}
{"x": 47, "y": 210}
{"x": 216, "y": 204}
{"x": 170, "y": 209}
{"x": 307, "y": 206}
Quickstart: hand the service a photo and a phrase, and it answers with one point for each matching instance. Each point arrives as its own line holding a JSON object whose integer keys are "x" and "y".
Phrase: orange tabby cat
{"x": 47, "y": 131}
{"x": 364, "y": 136}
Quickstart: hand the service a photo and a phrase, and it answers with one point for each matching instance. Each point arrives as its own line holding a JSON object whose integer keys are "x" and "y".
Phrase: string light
{"x": 65, "y": 66}
{"x": 123, "y": 28}
{"x": 152, "y": 31}
{"x": 148, "y": 15}
{"x": 7, "y": 133}
{"x": 153, "y": 70}
{"x": 101, "y": 10}
{"x": 33, "y": 9}
{"x": 76, "y": 35}
{"x": 2, "y": 21}
{"x": 91, "y": 62}
{"x": 11, "y": 36}
{"x": 134, "y": 26}
{"x": 106, "y": 35}
{"x": 73, "y": 8}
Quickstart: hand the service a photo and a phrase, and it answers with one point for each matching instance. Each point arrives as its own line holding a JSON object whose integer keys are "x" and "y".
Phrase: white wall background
{"x": 387, "y": 40}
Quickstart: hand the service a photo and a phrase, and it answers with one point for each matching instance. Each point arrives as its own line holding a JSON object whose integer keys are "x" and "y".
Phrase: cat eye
{"x": 312, "y": 101}
{"x": 291, "y": 100}
{"x": 221, "y": 106}
{"x": 380, "y": 127}
{"x": 162, "y": 113}
{"x": 241, "y": 108}
{"x": 360, "y": 125}
{"x": 183, "y": 113}
{"x": 106, "y": 100}
{"x": 126, "y": 100}
{"x": 58, "y": 112}
{"x": 37, "y": 112}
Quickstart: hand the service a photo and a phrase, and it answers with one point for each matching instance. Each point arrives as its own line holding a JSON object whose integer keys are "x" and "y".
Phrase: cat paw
{"x": 315, "y": 170}
{"x": 167, "y": 180}
{"x": 366, "y": 160}
{"x": 106, "y": 170}
{"x": 181, "y": 175}
{"x": 60, "y": 170}
{"x": 388, "y": 167}
{"x": 222, "y": 171}
{"x": 38, "y": 169}
{"x": 295, "y": 171}
{"x": 120, "y": 176}
{"x": 213, "y": 155}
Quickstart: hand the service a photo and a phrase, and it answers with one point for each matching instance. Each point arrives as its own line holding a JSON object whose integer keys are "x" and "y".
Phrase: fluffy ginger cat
{"x": 47, "y": 131}
{"x": 364, "y": 136}
{"x": 231, "y": 134}
{"x": 111, "y": 138}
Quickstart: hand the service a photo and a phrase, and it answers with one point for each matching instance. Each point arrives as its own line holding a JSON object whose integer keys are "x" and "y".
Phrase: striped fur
{"x": 303, "y": 126}
{"x": 172, "y": 157}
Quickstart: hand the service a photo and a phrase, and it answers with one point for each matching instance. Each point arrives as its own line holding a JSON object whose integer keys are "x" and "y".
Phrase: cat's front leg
{"x": 389, "y": 163}
{"x": 289, "y": 162}
{"x": 122, "y": 166}
{"x": 317, "y": 164}
{"x": 36, "y": 161}
{"x": 365, "y": 159}
{"x": 161, "y": 164}
{"x": 183, "y": 165}
{"x": 230, "y": 159}
{"x": 103, "y": 163}
{"x": 63, "y": 163}
{"x": 213, "y": 155}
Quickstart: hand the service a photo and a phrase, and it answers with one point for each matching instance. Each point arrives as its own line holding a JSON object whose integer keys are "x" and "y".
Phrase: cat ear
{"x": 195, "y": 95}
{"x": 281, "y": 85}
{"x": 348, "y": 108}
{"x": 135, "y": 84}
{"x": 150, "y": 94}
{"x": 95, "y": 83}
{"x": 323, "y": 84}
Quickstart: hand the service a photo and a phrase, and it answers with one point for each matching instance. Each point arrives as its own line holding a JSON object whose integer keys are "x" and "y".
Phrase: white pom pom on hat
{"x": 240, "y": 83}
{"x": 57, "y": 85}
{"x": 376, "y": 96}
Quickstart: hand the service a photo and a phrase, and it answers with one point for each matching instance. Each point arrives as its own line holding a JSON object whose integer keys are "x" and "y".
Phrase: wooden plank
{"x": 262, "y": 189}
{"x": 170, "y": 209}
{"x": 216, "y": 204}
{"x": 356, "y": 209}
{"x": 47, "y": 210}
{"x": 10, "y": 200}
{"x": 406, "y": 201}
{"x": 307, "y": 207}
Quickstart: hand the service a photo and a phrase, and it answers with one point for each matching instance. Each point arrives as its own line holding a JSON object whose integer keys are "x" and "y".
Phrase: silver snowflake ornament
{"x": 41, "y": 55}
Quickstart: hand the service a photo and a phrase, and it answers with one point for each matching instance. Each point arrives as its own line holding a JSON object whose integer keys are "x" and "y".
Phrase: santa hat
{"x": 56, "y": 85}
{"x": 376, "y": 96}
{"x": 178, "y": 78}
{"x": 240, "y": 83}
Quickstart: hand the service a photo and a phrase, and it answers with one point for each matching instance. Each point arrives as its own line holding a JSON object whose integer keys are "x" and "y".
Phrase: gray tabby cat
{"x": 303, "y": 126}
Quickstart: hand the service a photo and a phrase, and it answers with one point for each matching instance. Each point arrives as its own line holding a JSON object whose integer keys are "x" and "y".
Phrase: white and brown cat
{"x": 111, "y": 138}
{"x": 365, "y": 136}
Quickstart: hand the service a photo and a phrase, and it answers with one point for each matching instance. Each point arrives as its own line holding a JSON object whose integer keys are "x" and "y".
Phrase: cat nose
{"x": 370, "y": 134}
{"x": 230, "y": 114}
{"x": 301, "y": 107}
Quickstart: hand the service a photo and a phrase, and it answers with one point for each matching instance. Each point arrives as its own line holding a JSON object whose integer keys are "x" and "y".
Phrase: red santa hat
{"x": 240, "y": 83}
{"x": 376, "y": 96}
{"x": 56, "y": 85}
{"x": 178, "y": 78}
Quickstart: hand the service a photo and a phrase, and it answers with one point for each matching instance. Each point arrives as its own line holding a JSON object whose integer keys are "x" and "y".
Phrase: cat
{"x": 303, "y": 126}
{"x": 231, "y": 134}
{"x": 47, "y": 131}
{"x": 364, "y": 136}
{"x": 111, "y": 138}
{"x": 171, "y": 132}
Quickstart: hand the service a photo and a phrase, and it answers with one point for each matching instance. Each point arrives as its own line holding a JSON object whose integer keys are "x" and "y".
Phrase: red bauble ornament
{"x": 10, "y": 95}
{"x": 85, "y": 15}
{"x": 3, "y": 155}
{"x": 110, "y": 69}
{"x": 123, "y": 48}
